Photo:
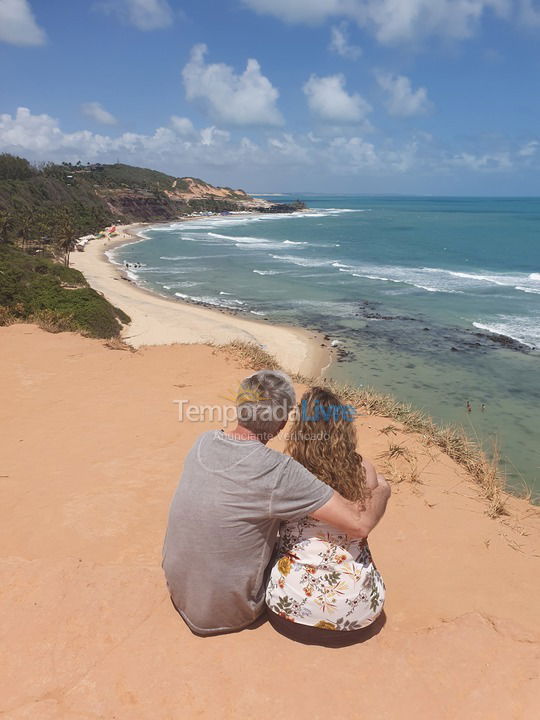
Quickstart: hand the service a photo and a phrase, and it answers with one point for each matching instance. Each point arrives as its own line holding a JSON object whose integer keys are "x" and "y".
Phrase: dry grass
{"x": 394, "y": 451}
{"x": 54, "y": 322}
{"x": 117, "y": 343}
{"x": 482, "y": 468}
{"x": 389, "y": 430}
{"x": 6, "y": 316}
{"x": 250, "y": 355}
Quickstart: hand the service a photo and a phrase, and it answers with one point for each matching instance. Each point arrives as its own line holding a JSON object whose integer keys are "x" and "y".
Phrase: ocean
{"x": 414, "y": 290}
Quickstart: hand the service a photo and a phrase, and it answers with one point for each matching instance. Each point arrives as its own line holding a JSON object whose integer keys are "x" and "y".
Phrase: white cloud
{"x": 328, "y": 99}
{"x": 246, "y": 99}
{"x": 143, "y": 14}
{"x": 216, "y": 155}
{"x": 390, "y": 20}
{"x": 18, "y": 25}
{"x": 486, "y": 162}
{"x": 339, "y": 42}
{"x": 530, "y": 149}
{"x": 529, "y": 13}
{"x": 97, "y": 112}
{"x": 41, "y": 138}
{"x": 401, "y": 98}
{"x": 290, "y": 150}
{"x": 214, "y": 136}
{"x": 182, "y": 125}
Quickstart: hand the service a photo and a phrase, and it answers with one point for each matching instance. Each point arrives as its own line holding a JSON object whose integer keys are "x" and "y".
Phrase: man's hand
{"x": 349, "y": 517}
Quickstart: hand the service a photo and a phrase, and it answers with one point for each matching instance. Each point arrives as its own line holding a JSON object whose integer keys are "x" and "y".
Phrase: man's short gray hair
{"x": 264, "y": 402}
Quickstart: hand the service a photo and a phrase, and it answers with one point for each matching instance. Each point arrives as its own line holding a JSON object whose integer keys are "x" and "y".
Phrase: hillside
{"x": 37, "y": 204}
{"x": 53, "y": 296}
{"x": 93, "y": 452}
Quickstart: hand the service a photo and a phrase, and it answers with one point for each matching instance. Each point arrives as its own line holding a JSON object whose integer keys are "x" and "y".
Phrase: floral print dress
{"x": 324, "y": 578}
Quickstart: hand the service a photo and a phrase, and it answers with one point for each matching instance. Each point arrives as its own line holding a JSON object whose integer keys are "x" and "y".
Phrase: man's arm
{"x": 349, "y": 517}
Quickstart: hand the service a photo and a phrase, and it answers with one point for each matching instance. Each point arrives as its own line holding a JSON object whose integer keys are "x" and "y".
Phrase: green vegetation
{"x": 54, "y": 296}
{"x": 37, "y": 206}
{"x": 47, "y": 207}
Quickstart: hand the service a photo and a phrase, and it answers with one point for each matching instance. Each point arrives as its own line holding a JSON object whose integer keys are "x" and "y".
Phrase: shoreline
{"x": 158, "y": 320}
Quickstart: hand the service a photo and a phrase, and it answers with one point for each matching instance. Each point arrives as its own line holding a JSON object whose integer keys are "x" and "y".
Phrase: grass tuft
{"x": 389, "y": 430}
{"x": 54, "y": 322}
{"x": 118, "y": 343}
{"x": 250, "y": 355}
{"x": 394, "y": 451}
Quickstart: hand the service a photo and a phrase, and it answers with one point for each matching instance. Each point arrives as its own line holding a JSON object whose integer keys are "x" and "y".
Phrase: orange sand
{"x": 91, "y": 453}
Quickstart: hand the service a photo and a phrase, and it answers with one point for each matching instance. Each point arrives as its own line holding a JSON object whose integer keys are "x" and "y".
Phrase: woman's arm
{"x": 371, "y": 474}
{"x": 350, "y": 517}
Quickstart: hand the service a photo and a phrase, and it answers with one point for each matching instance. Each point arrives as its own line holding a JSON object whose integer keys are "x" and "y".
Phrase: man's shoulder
{"x": 256, "y": 452}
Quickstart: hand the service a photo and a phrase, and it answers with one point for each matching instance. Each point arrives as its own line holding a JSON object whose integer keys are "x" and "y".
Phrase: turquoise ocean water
{"x": 413, "y": 288}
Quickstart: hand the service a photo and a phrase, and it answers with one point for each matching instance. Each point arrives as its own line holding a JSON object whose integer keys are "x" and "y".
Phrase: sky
{"x": 428, "y": 97}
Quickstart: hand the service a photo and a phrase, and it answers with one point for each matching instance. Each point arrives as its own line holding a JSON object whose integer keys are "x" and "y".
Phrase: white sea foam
{"x": 433, "y": 279}
{"x": 231, "y": 304}
{"x": 185, "y": 257}
{"x": 238, "y": 238}
{"x": 267, "y": 272}
{"x": 304, "y": 262}
{"x": 204, "y": 223}
{"x": 328, "y": 212}
{"x": 525, "y": 330}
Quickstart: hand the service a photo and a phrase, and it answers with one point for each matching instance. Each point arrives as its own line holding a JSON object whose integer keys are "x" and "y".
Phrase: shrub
{"x": 56, "y": 297}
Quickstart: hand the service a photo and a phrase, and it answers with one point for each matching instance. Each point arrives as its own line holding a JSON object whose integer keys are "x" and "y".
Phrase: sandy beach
{"x": 160, "y": 321}
{"x": 92, "y": 449}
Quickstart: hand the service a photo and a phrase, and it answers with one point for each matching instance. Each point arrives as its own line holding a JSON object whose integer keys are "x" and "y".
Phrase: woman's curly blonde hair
{"x": 323, "y": 440}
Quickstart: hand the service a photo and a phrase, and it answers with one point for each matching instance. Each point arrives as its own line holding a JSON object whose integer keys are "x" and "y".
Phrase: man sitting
{"x": 232, "y": 496}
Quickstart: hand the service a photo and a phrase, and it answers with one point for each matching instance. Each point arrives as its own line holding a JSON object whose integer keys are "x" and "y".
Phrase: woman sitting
{"x": 325, "y": 587}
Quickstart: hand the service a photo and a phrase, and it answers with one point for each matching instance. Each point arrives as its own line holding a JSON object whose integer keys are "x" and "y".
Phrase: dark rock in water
{"x": 425, "y": 328}
{"x": 505, "y": 341}
{"x": 281, "y": 207}
{"x": 454, "y": 349}
{"x": 378, "y": 316}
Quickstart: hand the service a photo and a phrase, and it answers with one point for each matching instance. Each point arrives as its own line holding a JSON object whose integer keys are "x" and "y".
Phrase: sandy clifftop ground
{"x": 91, "y": 453}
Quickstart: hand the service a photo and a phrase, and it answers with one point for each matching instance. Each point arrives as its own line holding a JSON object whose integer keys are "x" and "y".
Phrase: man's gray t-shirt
{"x": 223, "y": 525}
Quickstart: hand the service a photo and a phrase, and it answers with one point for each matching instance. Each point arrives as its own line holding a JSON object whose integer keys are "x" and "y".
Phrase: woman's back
{"x": 323, "y": 578}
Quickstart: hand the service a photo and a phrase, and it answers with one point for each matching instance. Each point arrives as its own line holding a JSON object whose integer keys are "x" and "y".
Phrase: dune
{"x": 92, "y": 449}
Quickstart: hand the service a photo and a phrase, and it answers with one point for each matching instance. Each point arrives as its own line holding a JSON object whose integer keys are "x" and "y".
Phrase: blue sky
{"x": 355, "y": 96}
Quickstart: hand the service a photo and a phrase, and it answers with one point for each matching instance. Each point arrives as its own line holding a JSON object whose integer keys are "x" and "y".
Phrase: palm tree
{"x": 66, "y": 236}
{"x": 6, "y": 224}
{"x": 26, "y": 226}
